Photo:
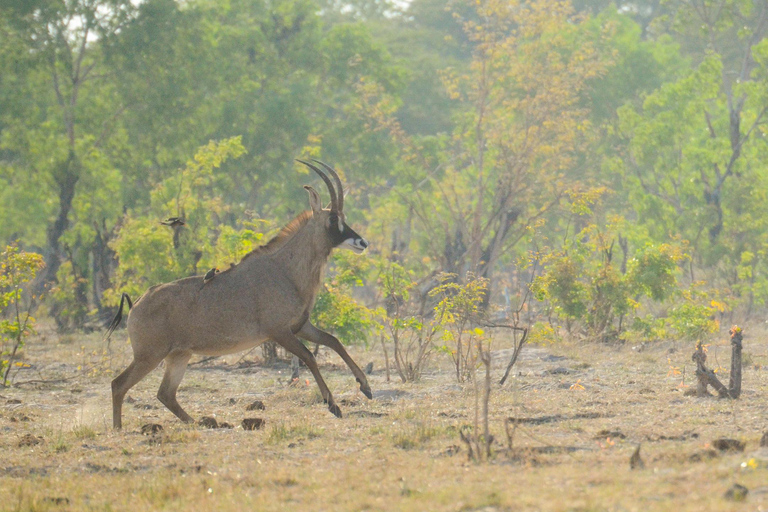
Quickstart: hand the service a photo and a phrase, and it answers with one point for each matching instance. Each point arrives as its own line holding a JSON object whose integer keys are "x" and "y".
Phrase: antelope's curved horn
{"x": 334, "y": 198}
{"x": 340, "y": 187}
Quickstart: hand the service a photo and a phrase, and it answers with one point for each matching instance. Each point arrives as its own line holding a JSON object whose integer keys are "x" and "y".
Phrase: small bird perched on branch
{"x": 210, "y": 274}
{"x": 173, "y": 222}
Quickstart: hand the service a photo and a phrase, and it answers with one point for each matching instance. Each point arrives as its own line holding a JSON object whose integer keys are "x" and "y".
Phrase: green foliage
{"x": 233, "y": 244}
{"x": 653, "y": 271}
{"x": 70, "y": 311}
{"x": 412, "y": 332}
{"x": 459, "y": 303}
{"x": 458, "y": 131}
{"x": 457, "y": 310}
{"x": 396, "y": 283}
{"x": 150, "y": 253}
{"x": 336, "y": 310}
{"x": 561, "y": 284}
{"x": 542, "y": 334}
{"x": 144, "y": 250}
{"x": 17, "y": 269}
{"x": 694, "y": 150}
{"x": 588, "y": 290}
{"x": 692, "y": 318}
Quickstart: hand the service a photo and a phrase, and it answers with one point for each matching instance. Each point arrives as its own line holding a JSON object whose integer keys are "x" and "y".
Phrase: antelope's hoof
{"x": 335, "y": 410}
{"x": 365, "y": 388}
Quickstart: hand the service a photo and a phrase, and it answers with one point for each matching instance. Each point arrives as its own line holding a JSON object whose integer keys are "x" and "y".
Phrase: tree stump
{"x": 734, "y": 384}
{"x": 707, "y": 377}
{"x": 700, "y": 357}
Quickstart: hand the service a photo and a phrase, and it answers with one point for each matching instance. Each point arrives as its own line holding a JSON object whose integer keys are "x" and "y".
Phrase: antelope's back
{"x": 233, "y": 311}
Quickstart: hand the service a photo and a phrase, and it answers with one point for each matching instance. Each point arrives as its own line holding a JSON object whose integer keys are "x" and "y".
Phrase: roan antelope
{"x": 268, "y": 295}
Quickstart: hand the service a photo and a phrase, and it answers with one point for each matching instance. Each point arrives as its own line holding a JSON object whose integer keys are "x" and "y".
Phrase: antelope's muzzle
{"x": 357, "y": 244}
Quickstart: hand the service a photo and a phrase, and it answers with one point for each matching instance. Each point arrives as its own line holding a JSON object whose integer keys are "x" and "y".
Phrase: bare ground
{"x": 582, "y": 411}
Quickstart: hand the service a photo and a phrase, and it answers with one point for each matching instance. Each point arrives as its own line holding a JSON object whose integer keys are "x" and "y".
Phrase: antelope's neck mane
{"x": 302, "y": 253}
{"x": 285, "y": 234}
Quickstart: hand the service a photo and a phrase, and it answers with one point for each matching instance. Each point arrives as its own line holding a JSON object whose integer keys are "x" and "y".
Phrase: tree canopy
{"x": 507, "y": 139}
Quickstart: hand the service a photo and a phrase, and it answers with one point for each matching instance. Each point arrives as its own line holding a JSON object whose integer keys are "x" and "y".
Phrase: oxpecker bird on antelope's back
{"x": 268, "y": 295}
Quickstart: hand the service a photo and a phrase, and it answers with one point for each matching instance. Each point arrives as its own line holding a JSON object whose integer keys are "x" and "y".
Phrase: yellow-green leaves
{"x": 18, "y": 268}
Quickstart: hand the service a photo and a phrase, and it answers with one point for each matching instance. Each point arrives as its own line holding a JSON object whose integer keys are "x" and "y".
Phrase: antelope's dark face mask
{"x": 343, "y": 236}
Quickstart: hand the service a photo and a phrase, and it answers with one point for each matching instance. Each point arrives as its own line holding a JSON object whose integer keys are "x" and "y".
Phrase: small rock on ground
{"x": 151, "y": 428}
{"x": 613, "y": 434}
{"x": 736, "y": 493}
{"x": 208, "y": 422}
{"x": 728, "y": 445}
{"x": 252, "y": 423}
{"x": 258, "y": 405}
{"x": 30, "y": 440}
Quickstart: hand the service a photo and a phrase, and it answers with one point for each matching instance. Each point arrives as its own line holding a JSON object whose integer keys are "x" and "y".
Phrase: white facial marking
{"x": 353, "y": 244}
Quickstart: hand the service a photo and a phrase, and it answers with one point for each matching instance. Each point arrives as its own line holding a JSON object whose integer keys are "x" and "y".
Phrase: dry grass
{"x": 401, "y": 451}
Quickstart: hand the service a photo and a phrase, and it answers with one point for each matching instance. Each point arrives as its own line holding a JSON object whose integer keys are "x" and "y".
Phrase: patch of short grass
{"x": 60, "y": 445}
{"x": 283, "y": 432}
{"x": 414, "y": 436}
{"x": 83, "y": 432}
{"x": 183, "y": 436}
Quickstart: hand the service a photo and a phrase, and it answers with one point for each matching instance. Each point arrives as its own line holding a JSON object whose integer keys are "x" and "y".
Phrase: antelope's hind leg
{"x": 137, "y": 370}
{"x": 175, "y": 366}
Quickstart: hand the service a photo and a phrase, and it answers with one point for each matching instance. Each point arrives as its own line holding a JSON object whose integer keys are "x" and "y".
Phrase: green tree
{"x": 106, "y": 99}
{"x": 150, "y": 253}
{"x": 57, "y": 133}
{"x": 520, "y": 137}
{"x": 693, "y": 150}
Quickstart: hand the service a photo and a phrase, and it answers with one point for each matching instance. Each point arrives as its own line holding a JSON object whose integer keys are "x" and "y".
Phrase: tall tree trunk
{"x": 66, "y": 177}
{"x": 492, "y": 252}
{"x": 104, "y": 262}
{"x": 476, "y": 230}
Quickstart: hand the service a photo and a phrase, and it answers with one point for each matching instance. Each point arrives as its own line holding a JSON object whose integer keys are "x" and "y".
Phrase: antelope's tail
{"x": 118, "y": 317}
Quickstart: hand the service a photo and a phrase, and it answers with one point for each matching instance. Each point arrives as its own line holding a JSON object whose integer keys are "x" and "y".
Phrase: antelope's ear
{"x": 314, "y": 199}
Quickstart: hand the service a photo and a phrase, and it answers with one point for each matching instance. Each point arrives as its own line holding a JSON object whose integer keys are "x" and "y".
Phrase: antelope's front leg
{"x": 311, "y": 333}
{"x": 292, "y": 344}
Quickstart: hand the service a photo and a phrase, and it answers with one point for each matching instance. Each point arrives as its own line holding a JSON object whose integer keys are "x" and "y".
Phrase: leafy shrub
{"x": 448, "y": 327}
{"x": 144, "y": 249}
{"x": 542, "y": 334}
{"x": 336, "y": 310}
{"x": 17, "y": 268}
{"x": 692, "y": 318}
{"x": 412, "y": 334}
{"x": 589, "y": 291}
{"x": 457, "y": 310}
{"x": 653, "y": 271}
